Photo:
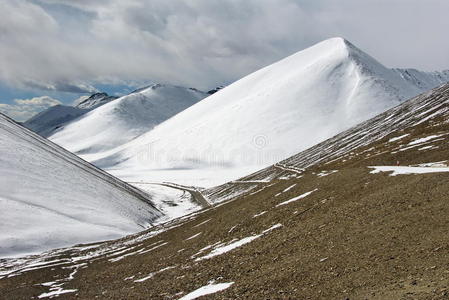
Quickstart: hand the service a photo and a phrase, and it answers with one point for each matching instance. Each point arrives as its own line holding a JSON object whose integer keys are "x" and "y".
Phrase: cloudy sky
{"x": 54, "y": 51}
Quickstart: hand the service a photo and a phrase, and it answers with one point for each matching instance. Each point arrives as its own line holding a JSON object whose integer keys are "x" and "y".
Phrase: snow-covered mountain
{"x": 51, "y": 198}
{"x": 49, "y": 120}
{"x": 53, "y": 118}
{"x": 120, "y": 121}
{"x": 267, "y": 116}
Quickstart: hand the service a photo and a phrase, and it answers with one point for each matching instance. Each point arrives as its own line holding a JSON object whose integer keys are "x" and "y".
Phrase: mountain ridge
{"x": 53, "y": 118}
{"x": 125, "y": 118}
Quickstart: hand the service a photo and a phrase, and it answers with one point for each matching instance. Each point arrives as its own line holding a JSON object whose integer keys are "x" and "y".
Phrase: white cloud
{"x": 23, "y": 109}
{"x": 202, "y": 43}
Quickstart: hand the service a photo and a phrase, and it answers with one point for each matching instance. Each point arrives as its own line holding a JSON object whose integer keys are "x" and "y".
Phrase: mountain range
{"x": 258, "y": 120}
{"x": 53, "y": 118}
{"x": 119, "y": 121}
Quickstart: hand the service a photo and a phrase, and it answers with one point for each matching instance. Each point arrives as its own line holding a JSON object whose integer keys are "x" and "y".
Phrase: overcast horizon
{"x": 54, "y": 51}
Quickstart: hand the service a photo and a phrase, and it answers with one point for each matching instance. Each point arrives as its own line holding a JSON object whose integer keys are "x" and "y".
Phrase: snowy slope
{"x": 424, "y": 80}
{"x": 122, "y": 120}
{"x": 55, "y": 117}
{"x": 50, "y": 198}
{"x": 422, "y": 115}
{"x": 265, "y": 117}
{"x": 49, "y": 120}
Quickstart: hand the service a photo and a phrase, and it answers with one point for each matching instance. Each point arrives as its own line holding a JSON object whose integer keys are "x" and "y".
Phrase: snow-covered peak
{"x": 55, "y": 117}
{"x": 125, "y": 118}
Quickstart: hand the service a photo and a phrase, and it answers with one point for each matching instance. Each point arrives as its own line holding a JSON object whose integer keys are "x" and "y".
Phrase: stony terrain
{"x": 320, "y": 225}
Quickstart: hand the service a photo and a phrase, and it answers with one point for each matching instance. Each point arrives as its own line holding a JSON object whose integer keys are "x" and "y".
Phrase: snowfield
{"x": 50, "y": 198}
{"x": 261, "y": 119}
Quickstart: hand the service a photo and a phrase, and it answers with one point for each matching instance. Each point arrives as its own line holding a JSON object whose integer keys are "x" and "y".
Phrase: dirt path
{"x": 197, "y": 196}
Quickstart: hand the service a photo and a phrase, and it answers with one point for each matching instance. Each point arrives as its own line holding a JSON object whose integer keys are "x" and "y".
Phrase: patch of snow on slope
{"x": 151, "y": 275}
{"x": 398, "y": 138}
{"x": 222, "y": 249}
{"x": 211, "y": 288}
{"x": 260, "y": 214}
{"x": 296, "y": 198}
{"x": 193, "y": 236}
{"x": 425, "y": 139}
{"x": 326, "y": 173}
{"x": 289, "y": 188}
{"x": 407, "y": 170}
{"x": 56, "y": 288}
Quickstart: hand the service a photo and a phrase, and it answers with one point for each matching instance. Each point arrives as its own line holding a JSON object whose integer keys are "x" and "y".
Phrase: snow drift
{"x": 50, "y": 198}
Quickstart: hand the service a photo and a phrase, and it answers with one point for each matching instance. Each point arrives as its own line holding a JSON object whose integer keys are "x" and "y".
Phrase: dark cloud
{"x": 205, "y": 42}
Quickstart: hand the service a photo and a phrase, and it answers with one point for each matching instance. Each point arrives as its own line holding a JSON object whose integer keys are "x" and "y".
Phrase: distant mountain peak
{"x": 95, "y": 100}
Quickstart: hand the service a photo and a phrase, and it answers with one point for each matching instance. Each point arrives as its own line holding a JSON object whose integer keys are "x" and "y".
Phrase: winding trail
{"x": 197, "y": 196}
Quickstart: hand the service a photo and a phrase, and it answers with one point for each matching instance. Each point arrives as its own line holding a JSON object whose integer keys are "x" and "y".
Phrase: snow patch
{"x": 296, "y": 198}
{"x": 193, "y": 236}
{"x": 326, "y": 173}
{"x": 397, "y": 138}
{"x": 259, "y": 214}
{"x": 221, "y": 249}
{"x": 151, "y": 275}
{"x": 407, "y": 170}
{"x": 425, "y": 139}
{"x": 204, "y": 222}
{"x": 207, "y": 290}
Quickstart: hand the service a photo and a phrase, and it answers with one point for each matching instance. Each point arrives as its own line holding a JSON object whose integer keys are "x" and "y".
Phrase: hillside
{"x": 53, "y": 118}
{"x": 339, "y": 221}
{"x": 51, "y": 198}
{"x": 120, "y": 121}
{"x": 265, "y": 117}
